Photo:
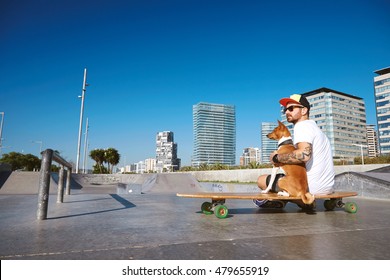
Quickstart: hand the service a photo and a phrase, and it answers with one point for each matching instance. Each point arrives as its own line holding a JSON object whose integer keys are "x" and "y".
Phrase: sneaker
{"x": 259, "y": 202}
{"x": 269, "y": 203}
{"x": 307, "y": 207}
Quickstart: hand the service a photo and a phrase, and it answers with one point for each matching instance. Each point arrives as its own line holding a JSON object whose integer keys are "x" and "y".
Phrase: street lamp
{"x": 361, "y": 150}
{"x": 85, "y": 147}
{"x": 81, "y": 119}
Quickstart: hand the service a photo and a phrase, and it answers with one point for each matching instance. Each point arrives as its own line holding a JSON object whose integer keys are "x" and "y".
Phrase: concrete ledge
{"x": 366, "y": 184}
{"x": 251, "y": 175}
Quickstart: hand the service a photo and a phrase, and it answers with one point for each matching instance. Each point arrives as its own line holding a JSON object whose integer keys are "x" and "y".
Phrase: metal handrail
{"x": 48, "y": 156}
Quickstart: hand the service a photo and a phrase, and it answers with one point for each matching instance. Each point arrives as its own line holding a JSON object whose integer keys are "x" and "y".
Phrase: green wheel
{"x": 206, "y": 208}
{"x": 221, "y": 211}
{"x": 350, "y": 207}
{"x": 330, "y": 204}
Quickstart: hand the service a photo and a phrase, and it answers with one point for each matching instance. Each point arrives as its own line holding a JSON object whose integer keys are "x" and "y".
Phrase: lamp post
{"x": 81, "y": 119}
{"x": 1, "y": 130}
{"x": 361, "y": 150}
{"x": 85, "y": 147}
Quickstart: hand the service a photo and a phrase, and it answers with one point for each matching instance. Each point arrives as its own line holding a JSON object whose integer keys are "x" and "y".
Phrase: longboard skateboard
{"x": 218, "y": 207}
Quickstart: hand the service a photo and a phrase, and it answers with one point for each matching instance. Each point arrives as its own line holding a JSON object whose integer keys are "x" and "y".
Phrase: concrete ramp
{"x": 366, "y": 184}
{"x": 24, "y": 182}
{"x": 172, "y": 183}
{"x": 136, "y": 183}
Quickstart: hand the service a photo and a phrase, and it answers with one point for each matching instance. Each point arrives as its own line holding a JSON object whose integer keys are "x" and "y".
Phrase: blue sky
{"x": 149, "y": 61}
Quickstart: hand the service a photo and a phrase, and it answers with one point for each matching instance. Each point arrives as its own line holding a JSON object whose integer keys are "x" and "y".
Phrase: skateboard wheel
{"x": 221, "y": 211}
{"x": 350, "y": 207}
{"x": 329, "y": 204}
{"x": 207, "y": 208}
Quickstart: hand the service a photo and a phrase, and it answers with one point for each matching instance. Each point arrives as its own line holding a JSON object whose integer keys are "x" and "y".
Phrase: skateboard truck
{"x": 216, "y": 207}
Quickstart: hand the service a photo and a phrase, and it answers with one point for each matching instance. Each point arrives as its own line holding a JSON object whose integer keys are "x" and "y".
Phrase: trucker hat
{"x": 296, "y": 99}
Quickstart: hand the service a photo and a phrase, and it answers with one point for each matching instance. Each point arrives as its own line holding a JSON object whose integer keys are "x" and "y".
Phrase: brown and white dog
{"x": 294, "y": 183}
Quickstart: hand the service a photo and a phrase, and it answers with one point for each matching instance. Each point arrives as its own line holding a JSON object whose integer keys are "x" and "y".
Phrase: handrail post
{"x": 60, "y": 187}
{"x": 67, "y": 185}
{"x": 44, "y": 184}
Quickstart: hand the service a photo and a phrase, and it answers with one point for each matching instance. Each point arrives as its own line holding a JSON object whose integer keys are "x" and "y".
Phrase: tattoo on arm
{"x": 297, "y": 156}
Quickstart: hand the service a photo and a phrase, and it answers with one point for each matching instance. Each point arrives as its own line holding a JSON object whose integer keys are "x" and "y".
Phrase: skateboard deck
{"x": 216, "y": 206}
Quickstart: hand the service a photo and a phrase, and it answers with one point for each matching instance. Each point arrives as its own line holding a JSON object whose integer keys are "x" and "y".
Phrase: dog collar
{"x": 285, "y": 141}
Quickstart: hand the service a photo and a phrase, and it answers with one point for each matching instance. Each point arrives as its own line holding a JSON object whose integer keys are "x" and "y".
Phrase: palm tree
{"x": 253, "y": 165}
{"x": 112, "y": 157}
{"x": 203, "y": 166}
{"x": 98, "y": 155}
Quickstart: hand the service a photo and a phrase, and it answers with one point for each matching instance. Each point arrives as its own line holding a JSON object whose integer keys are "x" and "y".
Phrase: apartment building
{"x": 382, "y": 104}
{"x": 342, "y": 117}
{"x": 214, "y": 128}
{"x": 250, "y": 155}
{"x": 372, "y": 141}
{"x": 166, "y": 153}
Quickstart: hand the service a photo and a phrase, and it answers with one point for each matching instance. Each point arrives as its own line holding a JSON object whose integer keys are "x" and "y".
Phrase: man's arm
{"x": 302, "y": 154}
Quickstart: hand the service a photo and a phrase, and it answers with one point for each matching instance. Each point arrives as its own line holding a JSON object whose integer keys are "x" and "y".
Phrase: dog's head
{"x": 280, "y": 131}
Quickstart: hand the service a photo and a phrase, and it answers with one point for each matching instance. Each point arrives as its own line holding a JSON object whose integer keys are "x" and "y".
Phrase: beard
{"x": 290, "y": 119}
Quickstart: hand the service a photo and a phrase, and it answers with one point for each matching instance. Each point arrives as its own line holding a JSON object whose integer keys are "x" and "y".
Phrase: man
{"x": 313, "y": 149}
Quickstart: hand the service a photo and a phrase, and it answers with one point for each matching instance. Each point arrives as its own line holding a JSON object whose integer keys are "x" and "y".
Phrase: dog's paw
{"x": 283, "y": 193}
{"x": 264, "y": 191}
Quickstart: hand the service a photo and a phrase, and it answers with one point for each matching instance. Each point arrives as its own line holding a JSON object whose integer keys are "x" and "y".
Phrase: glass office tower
{"x": 267, "y": 145}
{"x": 382, "y": 104}
{"x": 214, "y": 127}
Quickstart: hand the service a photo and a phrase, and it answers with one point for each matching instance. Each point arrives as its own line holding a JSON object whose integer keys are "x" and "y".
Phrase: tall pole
{"x": 85, "y": 146}
{"x": 81, "y": 120}
{"x": 1, "y": 131}
{"x": 361, "y": 151}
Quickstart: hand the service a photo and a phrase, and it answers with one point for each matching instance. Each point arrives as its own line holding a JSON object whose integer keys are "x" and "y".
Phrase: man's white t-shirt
{"x": 320, "y": 170}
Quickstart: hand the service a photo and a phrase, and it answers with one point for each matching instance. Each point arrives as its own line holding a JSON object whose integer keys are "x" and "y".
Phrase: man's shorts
{"x": 275, "y": 187}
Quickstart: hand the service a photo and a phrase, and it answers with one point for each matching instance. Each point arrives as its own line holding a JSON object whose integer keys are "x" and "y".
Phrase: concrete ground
{"x": 162, "y": 226}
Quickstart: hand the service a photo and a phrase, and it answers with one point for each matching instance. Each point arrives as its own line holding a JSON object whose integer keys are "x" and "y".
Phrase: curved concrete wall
{"x": 251, "y": 175}
{"x": 367, "y": 184}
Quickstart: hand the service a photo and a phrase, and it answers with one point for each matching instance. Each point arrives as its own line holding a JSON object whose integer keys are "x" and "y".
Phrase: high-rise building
{"x": 166, "y": 152}
{"x": 214, "y": 127}
{"x": 342, "y": 117}
{"x": 382, "y": 104}
{"x": 250, "y": 155}
{"x": 267, "y": 145}
{"x": 150, "y": 165}
{"x": 372, "y": 141}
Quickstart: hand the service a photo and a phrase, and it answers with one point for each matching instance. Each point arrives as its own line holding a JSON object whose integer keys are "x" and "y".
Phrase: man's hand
{"x": 271, "y": 158}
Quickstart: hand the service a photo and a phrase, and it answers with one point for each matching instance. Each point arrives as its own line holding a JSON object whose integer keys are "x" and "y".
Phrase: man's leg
{"x": 262, "y": 183}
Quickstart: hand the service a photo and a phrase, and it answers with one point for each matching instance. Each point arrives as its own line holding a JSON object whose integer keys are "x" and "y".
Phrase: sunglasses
{"x": 291, "y": 108}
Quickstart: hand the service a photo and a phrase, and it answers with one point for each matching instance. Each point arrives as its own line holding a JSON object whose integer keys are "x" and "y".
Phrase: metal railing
{"x": 48, "y": 156}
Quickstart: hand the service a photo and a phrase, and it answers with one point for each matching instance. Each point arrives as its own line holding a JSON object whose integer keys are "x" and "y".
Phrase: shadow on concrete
{"x": 4, "y": 175}
{"x": 126, "y": 205}
{"x": 86, "y": 200}
{"x": 121, "y": 200}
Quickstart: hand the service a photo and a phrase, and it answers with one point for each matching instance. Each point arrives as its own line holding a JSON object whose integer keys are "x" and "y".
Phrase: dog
{"x": 294, "y": 183}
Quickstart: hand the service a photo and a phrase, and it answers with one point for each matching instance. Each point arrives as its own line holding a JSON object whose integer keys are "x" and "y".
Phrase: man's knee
{"x": 261, "y": 182}
{"x": 275, "y": 184}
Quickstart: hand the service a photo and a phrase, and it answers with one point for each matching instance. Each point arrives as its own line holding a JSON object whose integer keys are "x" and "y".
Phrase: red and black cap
{"x": 295, "y": 99}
